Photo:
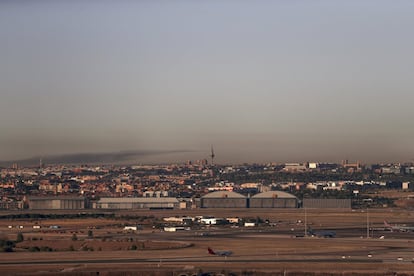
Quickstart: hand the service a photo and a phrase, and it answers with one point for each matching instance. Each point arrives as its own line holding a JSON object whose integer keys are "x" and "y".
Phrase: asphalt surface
{"x": 383, "y": 250}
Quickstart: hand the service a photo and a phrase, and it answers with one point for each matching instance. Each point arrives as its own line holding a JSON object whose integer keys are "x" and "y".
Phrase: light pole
{"x": 306, "y": 223}
{"x": 367, "y": 224}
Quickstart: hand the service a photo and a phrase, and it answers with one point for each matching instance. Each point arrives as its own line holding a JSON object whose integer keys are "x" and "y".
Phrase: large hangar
{"x": 56, "y": 203}
{"x": 137, "y": 203}
{"x": 223, "y": 199}
{"x": 274, "y": 199}
{"x": 327, "y": 203}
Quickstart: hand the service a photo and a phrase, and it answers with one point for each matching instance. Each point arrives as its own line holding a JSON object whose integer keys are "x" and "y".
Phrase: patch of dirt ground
{"x": 99, "y": 245}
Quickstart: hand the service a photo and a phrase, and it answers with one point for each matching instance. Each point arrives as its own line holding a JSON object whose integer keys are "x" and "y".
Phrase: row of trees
{"x": 75, "y": 237}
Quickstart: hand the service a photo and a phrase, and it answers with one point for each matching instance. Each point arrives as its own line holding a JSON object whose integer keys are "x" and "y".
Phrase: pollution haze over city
{"x": 162, "y": 81}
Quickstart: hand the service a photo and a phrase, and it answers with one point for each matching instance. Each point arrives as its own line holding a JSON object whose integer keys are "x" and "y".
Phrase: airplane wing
{"x": 219, "y": 253}
{"x": 224, "y": 253}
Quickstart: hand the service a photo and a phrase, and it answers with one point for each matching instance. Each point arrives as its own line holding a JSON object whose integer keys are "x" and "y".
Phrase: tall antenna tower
{"x": 212, "y": 156}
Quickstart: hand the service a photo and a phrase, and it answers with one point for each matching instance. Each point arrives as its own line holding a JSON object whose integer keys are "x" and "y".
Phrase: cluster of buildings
{"x": 218, "y": 199}
{"x": 173, "y": 224}
{"x": 350, "y": 167}
{"x": 191, "y": 185}
{"x": 347, "y": 185}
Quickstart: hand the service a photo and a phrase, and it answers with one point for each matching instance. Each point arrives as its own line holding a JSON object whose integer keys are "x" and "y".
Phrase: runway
{"x": 195, "y": 260}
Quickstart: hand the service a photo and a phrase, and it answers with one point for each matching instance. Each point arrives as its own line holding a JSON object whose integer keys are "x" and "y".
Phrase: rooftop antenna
{"x": 212, "y": 156}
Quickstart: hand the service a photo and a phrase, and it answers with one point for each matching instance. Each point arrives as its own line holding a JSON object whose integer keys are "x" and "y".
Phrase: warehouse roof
{"x": 223, "y": 194}
{"x": 274, "y": 194}
{"x": 48, "y": 198}
{"x": 138, "y": 200}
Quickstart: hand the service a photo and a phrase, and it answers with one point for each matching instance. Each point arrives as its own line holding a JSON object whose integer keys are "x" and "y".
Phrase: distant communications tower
{"x": 212, "y": 156}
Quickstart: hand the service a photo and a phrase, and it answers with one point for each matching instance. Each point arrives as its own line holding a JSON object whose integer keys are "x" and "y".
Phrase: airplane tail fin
{"x": 386, "y": 223}
{"x": 210, "y": 251}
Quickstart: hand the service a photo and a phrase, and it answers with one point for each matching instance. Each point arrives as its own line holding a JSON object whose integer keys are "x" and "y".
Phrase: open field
{"x": 269, "y": 249}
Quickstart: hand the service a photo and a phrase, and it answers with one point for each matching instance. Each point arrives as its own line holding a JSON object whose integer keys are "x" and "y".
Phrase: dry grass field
{"x": 280, "y": 249}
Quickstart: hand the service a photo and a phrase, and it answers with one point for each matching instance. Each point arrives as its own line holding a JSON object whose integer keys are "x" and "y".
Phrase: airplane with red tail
{"x": 219, "y": 253}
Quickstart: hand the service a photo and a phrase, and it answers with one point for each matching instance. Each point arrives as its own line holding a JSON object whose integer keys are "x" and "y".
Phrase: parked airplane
{"x": 398, "y": 227}
{"x": 322, "y": 233}
{"x": 219, "y": 253}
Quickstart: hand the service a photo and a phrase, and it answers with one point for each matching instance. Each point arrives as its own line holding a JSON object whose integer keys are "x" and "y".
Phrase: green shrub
{"x": 34, "y": 249}
{"x": 46, "y": 249}
{"x": 20, "y": 237}
{"x": 6, "y": 249}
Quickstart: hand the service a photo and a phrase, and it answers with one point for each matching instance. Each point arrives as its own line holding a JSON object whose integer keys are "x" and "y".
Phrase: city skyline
{"x": 263, "y": 81}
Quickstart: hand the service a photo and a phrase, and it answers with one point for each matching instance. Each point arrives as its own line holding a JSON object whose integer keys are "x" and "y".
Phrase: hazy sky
{"x": 260, "y": 80}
